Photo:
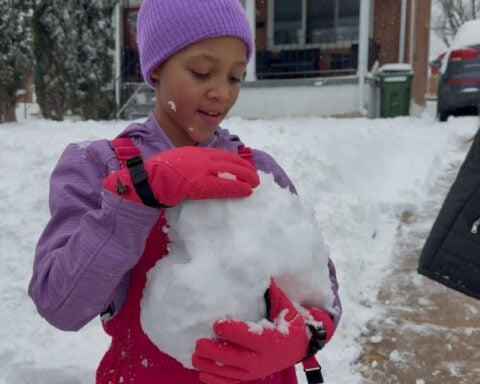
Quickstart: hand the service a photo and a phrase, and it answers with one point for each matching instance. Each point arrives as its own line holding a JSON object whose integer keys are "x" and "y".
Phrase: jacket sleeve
{"x": 91, "y": 242}
{"x": 266, "y": 163}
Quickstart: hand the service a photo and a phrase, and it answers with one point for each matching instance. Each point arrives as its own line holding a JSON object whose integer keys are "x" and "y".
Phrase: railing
{"x": 336, "y": 56}
{"x": 134, "y": 89}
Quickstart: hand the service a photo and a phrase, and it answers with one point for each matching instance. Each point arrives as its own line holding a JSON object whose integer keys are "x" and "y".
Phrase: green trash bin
{"x": 395, "y": 89}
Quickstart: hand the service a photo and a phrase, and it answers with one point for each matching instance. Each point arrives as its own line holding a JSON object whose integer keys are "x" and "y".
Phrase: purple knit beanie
{"x": 164, "y": 27}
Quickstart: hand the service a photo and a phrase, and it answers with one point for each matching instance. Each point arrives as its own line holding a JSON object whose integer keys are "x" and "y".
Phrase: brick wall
{"x": 386, "y": 29}
{"x": 386, "y": 32}
{"x": 420, "y": 52}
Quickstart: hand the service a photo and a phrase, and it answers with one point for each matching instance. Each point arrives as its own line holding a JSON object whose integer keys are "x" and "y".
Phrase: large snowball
{"x": 221, "y": 258}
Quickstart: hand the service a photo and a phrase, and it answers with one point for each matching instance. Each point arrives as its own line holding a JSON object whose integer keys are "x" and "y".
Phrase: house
{"x": 318, "y": 48}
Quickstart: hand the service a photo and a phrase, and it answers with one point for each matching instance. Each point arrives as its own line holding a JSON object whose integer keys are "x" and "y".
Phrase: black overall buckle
{"x": 140, "y": 181}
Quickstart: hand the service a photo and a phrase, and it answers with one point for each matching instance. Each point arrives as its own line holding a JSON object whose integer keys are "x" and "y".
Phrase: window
{"x": 313, "y": 21}
{"x": 287, "y": 21}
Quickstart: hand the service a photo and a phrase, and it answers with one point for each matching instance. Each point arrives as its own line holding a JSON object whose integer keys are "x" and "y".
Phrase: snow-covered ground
{"x": 358, "y": 174}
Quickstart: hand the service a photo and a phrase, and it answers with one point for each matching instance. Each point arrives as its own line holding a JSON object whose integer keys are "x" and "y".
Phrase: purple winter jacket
{"x": 94, "y": 238}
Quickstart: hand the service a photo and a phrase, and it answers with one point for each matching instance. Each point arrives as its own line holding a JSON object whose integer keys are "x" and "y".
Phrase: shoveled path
{"x": 429, "y": 334}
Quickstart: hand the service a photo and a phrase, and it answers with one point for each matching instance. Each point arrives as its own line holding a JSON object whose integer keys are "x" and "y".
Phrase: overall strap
{"x": 313, "y": 370}
{"x": 124, "y": 149}
{"x": 129, "y": 156}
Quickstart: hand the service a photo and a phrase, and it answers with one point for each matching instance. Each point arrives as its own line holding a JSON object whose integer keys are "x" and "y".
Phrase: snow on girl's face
{"x": 172, "y": 106}
{"x": 196, "y": 88}
{"x": 236, "y": 250}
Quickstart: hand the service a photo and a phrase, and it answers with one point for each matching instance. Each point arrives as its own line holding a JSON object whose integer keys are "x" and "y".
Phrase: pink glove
{"x": 248, "y": 351}
{"x": 189, "y": 173}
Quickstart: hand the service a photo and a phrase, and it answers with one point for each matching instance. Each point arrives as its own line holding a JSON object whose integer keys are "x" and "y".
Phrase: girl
{"x": 108, "y": 202}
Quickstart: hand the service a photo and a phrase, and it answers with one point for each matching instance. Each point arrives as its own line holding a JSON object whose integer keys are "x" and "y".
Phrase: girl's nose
{"x": 220, "y": 91}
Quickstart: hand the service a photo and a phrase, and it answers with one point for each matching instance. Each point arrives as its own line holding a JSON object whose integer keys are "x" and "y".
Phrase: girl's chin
{"x": 200, "y": 133}
{"x": 196, "y": 139}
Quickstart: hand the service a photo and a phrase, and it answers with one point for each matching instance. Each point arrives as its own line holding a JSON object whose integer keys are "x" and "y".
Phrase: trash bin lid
{"x": 396, "y": 68}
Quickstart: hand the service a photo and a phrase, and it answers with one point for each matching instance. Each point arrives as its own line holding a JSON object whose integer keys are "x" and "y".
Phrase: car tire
{"x": 442, "y": 114}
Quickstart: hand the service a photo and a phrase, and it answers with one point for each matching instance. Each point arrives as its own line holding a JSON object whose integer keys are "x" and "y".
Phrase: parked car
{"x": 459, "y": 83}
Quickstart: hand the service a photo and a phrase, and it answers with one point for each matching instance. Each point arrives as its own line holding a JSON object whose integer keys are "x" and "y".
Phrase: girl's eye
{"x": 200, "y": 75}
{"x": 234, "y": 79}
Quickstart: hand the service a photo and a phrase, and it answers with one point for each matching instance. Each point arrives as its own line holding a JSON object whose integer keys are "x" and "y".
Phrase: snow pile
{"x": 359, "y": 174}
{"x": 216, "y": 269}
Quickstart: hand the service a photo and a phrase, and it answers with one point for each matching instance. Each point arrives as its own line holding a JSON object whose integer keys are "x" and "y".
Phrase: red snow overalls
{"x": 132, "y": 357}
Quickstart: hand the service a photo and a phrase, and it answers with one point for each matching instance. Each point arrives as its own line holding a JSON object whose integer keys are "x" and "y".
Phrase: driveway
{"x": 428, "y": 334}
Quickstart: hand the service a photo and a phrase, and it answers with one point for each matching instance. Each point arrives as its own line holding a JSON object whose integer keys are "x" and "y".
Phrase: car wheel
{"x": 442, "y": 114}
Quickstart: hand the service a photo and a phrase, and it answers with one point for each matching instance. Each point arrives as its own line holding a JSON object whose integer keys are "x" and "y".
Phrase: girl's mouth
{"x": 210, "y": 113}
{"x": 210, "y": 117}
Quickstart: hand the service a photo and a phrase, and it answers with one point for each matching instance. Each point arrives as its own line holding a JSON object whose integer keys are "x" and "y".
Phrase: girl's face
{"x": 196, "y": 88}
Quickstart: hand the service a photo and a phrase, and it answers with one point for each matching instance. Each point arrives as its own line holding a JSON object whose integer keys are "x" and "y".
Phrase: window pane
{"x": 320, "y": 21}
{"x": 349, "y": 11}
{"x": 348, "y": 19}
{"x": 288, "y": 21}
